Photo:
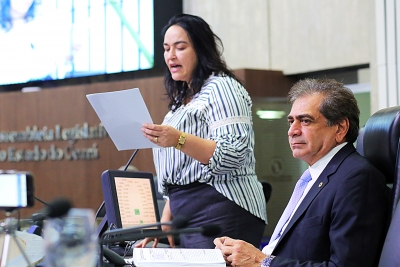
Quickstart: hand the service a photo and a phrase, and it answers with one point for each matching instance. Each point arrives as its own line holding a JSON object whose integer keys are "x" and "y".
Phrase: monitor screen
{"x": 16, "y": 190}
{"x": 57, "y": 39}
{"x": 130, "y": 199}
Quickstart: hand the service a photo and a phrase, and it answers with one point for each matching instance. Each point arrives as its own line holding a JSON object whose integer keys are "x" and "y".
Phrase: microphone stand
{"x": 8, "y": 227}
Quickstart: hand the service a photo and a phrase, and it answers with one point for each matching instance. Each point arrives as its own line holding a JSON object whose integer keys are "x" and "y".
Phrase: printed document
{"x": 123, "y": 113}
{"x": 177, "y": 257}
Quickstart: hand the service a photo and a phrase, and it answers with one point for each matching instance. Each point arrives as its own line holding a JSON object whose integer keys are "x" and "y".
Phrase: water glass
{"x": 71, "y": 240}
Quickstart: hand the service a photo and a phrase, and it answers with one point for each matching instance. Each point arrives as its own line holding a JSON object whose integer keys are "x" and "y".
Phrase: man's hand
{"x": 238, "y": 253}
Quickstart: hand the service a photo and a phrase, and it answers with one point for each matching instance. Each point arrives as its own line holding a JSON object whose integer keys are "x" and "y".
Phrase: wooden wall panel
{"x": 79, "y": 180}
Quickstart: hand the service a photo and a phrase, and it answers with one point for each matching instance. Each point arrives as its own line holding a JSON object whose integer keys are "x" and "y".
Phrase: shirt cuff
{"x": 267, "y": 261}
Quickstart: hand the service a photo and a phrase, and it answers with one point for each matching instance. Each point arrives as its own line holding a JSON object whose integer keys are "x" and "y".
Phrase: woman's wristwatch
{"x": 181, "y": 141}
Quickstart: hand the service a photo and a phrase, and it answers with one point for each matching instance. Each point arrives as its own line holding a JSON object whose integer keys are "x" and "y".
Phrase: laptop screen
{"x": 130, "y": 199}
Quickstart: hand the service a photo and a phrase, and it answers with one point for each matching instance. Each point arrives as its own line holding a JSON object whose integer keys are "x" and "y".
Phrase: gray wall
{"x": 292, "y": 36}
{"x": 311, "y": 35}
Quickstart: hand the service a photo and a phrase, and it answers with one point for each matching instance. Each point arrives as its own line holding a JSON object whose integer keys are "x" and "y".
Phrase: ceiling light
{"x": 270, "y": 114}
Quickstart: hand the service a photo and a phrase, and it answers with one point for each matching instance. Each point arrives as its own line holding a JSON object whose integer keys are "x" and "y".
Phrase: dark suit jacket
{"x": 342, "y": 221}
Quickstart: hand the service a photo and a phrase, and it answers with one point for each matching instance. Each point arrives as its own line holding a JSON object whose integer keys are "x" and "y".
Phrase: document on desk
{"x": 123, "y": 113}
{"x": 177, "y": 257}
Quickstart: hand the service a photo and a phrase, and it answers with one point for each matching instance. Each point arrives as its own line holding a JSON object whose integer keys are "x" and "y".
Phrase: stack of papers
{"x": 177, "y": 257}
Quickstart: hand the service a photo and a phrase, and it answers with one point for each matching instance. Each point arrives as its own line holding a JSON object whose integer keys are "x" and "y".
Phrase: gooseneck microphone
{"x": 56, "y": 208}
{"x": 209, "y": 230}
{"x": 177, "y": 223}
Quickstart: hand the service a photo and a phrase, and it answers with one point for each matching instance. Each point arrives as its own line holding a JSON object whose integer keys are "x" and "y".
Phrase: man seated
{"x": 340, "y": 214}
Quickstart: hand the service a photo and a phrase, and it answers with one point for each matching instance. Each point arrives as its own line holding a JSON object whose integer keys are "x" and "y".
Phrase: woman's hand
{"x": 166, "y": 217}
{"x": 171, "y": 239}
{"x": 162, "y": 135}
{"x": 166, "y": 136}
{"x": 145, "y": 241}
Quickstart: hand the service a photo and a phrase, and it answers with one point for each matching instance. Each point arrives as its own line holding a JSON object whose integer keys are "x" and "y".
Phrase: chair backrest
{"x": 390, "y": 256}
{"x": 267, "y": 190}
{"x": 379, "y": 143}
{"x": 359, "y": 142}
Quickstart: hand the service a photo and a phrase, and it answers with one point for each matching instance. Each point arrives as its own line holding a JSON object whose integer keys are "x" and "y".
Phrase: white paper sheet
{"x": 123, "y": 114}
{"x": 177, "y": 257}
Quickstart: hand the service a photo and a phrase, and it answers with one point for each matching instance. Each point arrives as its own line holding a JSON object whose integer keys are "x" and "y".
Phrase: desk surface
{"x": 33, "y": 246}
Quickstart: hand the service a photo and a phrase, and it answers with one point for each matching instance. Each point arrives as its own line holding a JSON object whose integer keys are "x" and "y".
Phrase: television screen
{"x": 56, "y": 39}
{"x": 16, "y": 190}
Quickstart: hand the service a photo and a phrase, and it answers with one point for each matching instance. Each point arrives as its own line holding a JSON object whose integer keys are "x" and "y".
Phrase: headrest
{"x": 381, "y": 140}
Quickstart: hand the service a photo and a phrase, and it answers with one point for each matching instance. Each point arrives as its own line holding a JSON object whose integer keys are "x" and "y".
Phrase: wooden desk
{"x": 33, "y": 246}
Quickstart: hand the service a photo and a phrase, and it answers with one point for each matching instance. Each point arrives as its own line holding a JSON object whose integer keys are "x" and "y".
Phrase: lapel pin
{"x": 320, "y": 184}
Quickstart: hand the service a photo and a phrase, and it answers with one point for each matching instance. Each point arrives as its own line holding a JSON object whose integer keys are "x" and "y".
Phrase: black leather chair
{"x": 378, "y": 141}
{"x": 390, "y": 256}
{"x": 267, "y": 190}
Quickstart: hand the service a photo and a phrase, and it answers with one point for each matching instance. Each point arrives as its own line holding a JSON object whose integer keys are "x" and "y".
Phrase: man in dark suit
{"x": 340, "y": 217}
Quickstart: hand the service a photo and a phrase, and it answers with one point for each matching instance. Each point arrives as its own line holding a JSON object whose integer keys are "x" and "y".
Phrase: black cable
{"x": 18, "y": 220}
{"x": 41, "y": 201}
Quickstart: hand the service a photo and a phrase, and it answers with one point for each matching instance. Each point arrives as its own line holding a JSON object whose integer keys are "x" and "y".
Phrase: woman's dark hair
{"x": 5, "y": 16}
{"x": 339, "y": 102}
{"x": 208, "y": 48}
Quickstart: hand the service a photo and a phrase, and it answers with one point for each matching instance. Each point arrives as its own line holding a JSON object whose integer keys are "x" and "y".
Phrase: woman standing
{"x": 205, "y": 163}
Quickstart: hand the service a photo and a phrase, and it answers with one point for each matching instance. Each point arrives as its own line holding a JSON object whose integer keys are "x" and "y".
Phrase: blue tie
{"x": 294, "y": 199}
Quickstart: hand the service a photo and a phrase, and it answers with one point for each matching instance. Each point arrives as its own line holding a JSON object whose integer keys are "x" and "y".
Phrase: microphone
{"x": 177, "y": 223}
{"x": 56, "y": 208}
{"x": 209, "y": 230}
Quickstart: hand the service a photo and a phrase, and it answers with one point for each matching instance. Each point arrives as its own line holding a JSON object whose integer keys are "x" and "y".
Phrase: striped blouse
{"x": 221, "y": 111}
